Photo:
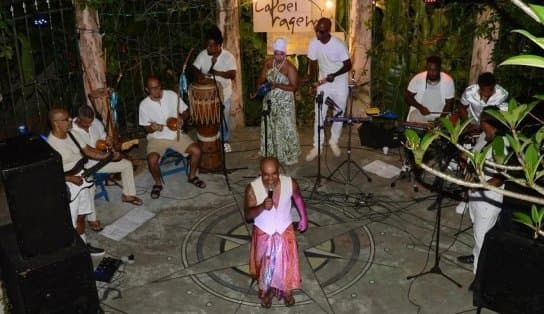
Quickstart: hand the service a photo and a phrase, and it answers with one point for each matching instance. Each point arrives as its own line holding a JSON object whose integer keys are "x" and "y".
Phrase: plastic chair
{"x": 179, "y": 162}
{"x": 100, "y": 183}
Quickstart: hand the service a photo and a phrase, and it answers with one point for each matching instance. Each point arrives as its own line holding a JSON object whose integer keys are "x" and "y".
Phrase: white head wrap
{"x": 280, "y": 45}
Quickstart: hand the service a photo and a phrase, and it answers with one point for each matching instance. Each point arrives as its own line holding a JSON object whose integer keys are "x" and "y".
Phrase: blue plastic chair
{"x": 171, "y": 157}
{"x": 100, "y": 183}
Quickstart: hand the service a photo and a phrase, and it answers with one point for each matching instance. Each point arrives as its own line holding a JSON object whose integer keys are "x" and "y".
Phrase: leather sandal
{"x": 95, "y": 226}
{"x": 132, "y": 200}
{"x": 197, "y": 182}
{"x": 156, "y": 191}
{"x": 289, "y": 300}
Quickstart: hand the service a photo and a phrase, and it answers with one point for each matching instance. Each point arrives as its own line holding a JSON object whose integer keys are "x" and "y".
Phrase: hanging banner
{"x": 290, "y": 16}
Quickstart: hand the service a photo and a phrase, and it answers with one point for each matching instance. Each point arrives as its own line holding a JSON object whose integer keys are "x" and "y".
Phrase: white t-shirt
{"x": 225, "y": 62}
{"x": 159, "y": 111}
{"x": 330, "y": 57}
{"x": 431, "y": 96}
{"x": 67, "y": 149}
{"x": 96, "y": 132}
{"x": 471, "y": 98}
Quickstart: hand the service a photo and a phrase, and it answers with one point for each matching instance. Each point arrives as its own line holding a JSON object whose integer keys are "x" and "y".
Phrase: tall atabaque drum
{"x": 205, "y": 113}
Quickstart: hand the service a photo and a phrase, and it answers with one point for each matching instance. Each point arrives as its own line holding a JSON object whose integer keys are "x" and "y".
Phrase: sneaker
{"x": 95, "y": 251}
{"x": 312, "y": 154}
{"x": 227, "y": 148}
{"x": 335, "y": 150}
{"x": 466, "y": 259}
{"x": 461, "y": 208}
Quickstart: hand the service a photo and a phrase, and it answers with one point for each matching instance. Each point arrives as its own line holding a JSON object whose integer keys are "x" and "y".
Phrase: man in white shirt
{"x": 81, "y": 200}
{"x": 484, "y": 205}
{"x": 330, "y": 55}
{"x": 216, "y": 63}
{"x": 430, "y": 94}
{"x": 478, "y": 96}
{"x": 154, "y": 111}
{"x": 89, "y": 130}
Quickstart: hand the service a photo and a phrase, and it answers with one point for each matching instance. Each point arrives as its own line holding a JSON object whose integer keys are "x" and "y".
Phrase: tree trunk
{"x": 93, "y": 62}
{"x": 483, "y": 47}
{"x": 360, "y": 42}
{"x": 228, "y": 21}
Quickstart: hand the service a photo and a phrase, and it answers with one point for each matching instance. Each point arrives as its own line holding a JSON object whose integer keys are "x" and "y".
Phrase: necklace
{"x": 276, "y": 66}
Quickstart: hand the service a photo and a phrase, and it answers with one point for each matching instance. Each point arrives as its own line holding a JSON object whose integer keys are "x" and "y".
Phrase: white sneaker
{"x": 227, "y": 148}
{"x": 312, "y": 154}
{"x": 335, "y": 150}
{"x": 461, "y": 208}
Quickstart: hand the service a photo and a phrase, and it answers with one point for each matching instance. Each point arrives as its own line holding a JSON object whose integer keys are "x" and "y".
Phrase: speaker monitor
{"x": 35, "y": 194}
{"x": 57, "y": 282}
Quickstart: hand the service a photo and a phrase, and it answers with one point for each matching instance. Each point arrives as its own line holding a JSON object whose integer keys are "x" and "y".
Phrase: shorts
{"x": 159, "y": 145}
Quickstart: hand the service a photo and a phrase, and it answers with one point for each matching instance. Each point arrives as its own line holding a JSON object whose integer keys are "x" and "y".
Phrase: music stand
{"x": 435, "y": 269}
{"x": 222, "y": 135}
{"x": 348, "y": 161}
{"x": 318, "y": 177}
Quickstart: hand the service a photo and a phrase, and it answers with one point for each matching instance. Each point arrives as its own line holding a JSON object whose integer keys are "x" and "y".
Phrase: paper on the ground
{"x": 126, "y": 224}
{"x": 382, "y": 169}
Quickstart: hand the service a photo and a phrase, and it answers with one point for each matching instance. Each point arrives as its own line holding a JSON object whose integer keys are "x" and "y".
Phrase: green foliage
{"x": 534, "y": 221}
{"x": 405, "y": 34}
{"x": 6, "y": 50}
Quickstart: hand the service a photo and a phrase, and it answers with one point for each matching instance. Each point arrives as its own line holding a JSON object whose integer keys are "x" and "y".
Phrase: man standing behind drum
{"x": 430, "y": 93}
{"x": 216, "y": 63}
{"x": 158, "y": 107}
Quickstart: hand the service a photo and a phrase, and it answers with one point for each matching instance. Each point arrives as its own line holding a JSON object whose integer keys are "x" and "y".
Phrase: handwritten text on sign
{"x": 287, "y": 15}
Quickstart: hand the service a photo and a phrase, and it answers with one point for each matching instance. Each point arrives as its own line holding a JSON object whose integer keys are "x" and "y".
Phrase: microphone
{"x": 270, "y": 191}
{"x": 319, "y": 98}
{"x": 211, "y": 67}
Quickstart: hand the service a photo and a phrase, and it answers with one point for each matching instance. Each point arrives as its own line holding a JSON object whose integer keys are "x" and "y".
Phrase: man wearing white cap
{"x": 331, "y": 55}
{"x": 282, "y": 133}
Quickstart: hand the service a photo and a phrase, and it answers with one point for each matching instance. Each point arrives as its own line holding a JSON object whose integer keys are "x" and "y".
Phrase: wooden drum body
{"x": 205, "y": 106}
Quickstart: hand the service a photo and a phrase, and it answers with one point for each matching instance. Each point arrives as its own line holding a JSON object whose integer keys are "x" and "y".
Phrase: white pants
{"x": 339, "y": 94}
{"x": 81, "y": 205}
{"x": 484, "y": 208}
{"x": 123, "y": 166}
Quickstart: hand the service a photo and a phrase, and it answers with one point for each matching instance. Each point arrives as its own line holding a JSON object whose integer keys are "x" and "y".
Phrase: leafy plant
{"x": 527, "y": 148}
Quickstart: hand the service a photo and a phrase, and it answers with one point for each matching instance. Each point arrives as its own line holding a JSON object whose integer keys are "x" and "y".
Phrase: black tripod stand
{"x": 436, "y": 267}
{"x": 223, "y": 122}
{"x": 320, "y": 127}
{"x": 348, "y": 161}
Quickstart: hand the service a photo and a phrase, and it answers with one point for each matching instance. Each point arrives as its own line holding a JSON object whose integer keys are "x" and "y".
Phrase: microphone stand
{"x": 222, "y": 135}
{"x": 435, "y": 269}
{"x": 317, "y": 183}
{"x": 348, "y": 161}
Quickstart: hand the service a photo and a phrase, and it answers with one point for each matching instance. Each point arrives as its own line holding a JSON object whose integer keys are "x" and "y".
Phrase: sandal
{"x": 156, "y": 191}
{"x": 289, "y": 301}
{"x": 266, "y": 302}
{"x": 197, "y": 182}
{"x": 136, "y": 201}
{"x": 95, "y": 226}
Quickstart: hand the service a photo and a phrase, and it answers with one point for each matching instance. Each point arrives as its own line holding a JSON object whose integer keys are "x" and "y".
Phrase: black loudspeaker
{"x": 58, "y": 282}
{"x": 510, "y": 274}
{"x": 37, "y": 199}
{"x": 378, "y": 135}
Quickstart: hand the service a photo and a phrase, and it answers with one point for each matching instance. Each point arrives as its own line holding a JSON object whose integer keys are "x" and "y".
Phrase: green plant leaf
{"x": 525, "y": 60}
{"x": 514, "y": 143}
{"x": 536, "y": 40}
{"x": 498, "y": 150}
{"x": 504, "y": 117}
{"x": 531, "y": 163}
{"x": 534, "y": 214}
{"x": 412, "y": 139}
{"x": 525, "y": 111}
{"x": 524, "y": 219}
{"x": 539, "y": 11}
{"x": 447, "y": 125}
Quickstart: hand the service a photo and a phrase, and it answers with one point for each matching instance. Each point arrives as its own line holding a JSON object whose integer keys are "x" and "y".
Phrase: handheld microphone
{"x": 270, "y": 191}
